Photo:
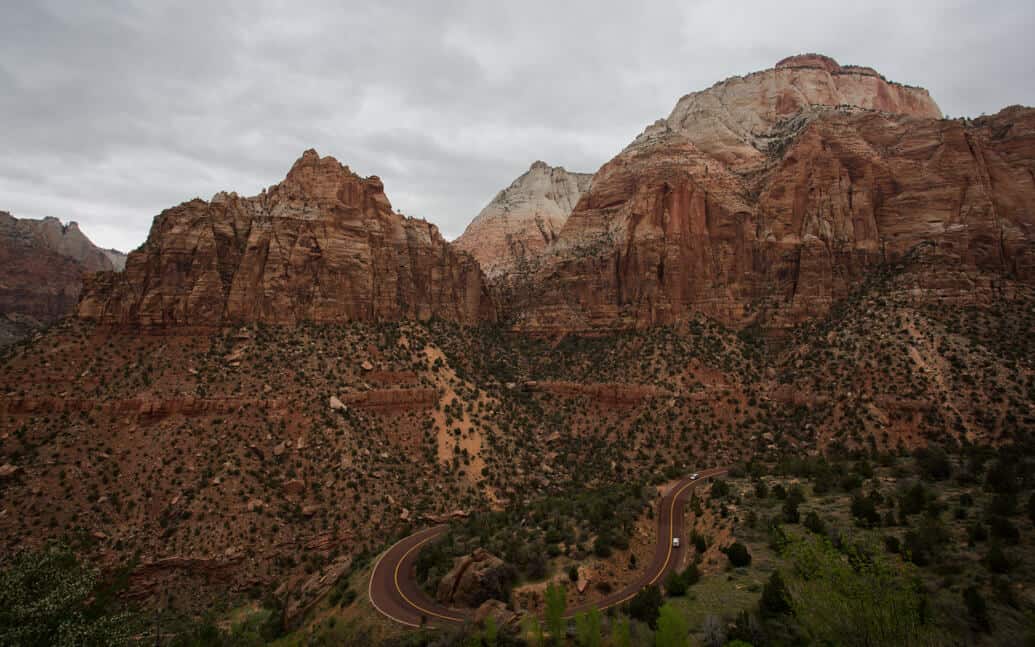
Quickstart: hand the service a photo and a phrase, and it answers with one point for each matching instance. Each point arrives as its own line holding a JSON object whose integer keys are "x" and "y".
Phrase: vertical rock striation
{"x": 765, "y": 199}
{"x": 323, "y": 245}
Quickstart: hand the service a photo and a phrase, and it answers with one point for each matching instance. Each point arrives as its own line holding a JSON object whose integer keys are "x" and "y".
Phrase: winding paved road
{"x": 393, "y": 588}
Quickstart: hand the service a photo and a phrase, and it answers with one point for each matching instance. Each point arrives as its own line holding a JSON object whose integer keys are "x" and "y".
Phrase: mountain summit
{"x": 767, "y": 198}
{"x": 738, "y": 119}
{"x": 323, "y": 245}
{"x": 524, "y": 218}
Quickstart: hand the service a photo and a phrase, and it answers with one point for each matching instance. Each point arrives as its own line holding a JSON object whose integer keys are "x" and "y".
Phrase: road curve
{"x": 394, "y": 592}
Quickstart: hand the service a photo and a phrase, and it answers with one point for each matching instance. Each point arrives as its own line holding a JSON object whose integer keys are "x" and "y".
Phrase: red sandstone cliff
{"x": 763, "y": 199}
{"x": 323, "y": 245}
{"x": 775, "y": 233}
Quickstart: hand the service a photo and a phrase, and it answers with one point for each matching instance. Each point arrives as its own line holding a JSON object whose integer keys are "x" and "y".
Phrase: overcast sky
{"x": 113, "y": 111}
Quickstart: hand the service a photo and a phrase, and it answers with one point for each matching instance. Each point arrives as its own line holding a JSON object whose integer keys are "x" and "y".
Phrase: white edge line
{"x": 370, "y": 583}
{"x": 370, "y": 586}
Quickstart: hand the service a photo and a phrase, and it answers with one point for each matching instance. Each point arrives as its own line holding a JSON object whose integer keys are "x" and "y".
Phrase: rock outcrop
{"x": 776, "y": 233}
{"x": 323, "y": 245}
{"x": 496, "y": 610}
{"x": 612, "y": 395}
{"x": 517, "y": 225}
{"x": 737, "y": 120}
{"x": 42, "y": 264}
{"x": 475, "y": 579}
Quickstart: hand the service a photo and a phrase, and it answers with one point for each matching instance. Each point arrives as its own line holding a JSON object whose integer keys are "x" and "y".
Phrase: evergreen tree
{"x": 977, "y": 608}
{"x": 556, "y": 602}
{"x": 646, "y": 605}
{"x": 775, "y": 598}
{"x": 588, "y": 629}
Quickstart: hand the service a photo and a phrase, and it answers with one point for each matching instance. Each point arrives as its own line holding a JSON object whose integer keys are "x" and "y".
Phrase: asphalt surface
{"x": 394, "y": 592}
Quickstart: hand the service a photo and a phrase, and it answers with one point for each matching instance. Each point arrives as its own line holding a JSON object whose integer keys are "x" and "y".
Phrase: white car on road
{"x": 675, "y": 542}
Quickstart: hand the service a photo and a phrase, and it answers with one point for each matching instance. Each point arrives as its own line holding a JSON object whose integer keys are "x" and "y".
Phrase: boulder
{"x": 294, "y": 487}
{"x": 476, "y": 578}
{"x": 497, "y": 610}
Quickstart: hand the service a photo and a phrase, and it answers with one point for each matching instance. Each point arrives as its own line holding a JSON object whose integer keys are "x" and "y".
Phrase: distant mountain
{"x": 42, "y": 264}
{"x": 117, "y": 258}
{"x": 523, "y": 218}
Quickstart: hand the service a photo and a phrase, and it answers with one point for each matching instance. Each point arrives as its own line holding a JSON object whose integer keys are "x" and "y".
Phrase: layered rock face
{"x": 42, "y": 264}
{"x": 323, "y": 245}
{"x": 737, "y": 120}
{"x": 518, "y": 224}
{"x": 775, "y": 234}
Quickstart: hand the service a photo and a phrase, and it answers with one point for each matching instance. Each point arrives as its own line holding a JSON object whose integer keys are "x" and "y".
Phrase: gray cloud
{"x": 114, "y": 111}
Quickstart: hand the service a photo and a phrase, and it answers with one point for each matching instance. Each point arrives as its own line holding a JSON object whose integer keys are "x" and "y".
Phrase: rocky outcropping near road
{"x": 323, "y": 245}
{"x": 513, "y": 229}
{"x": 475, "y": 579}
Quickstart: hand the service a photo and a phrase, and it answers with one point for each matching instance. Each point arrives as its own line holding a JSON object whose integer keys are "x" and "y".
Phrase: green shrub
{"x": 1003, "y": 529}
{"x": 855, "y": 603}
{"x": 814, "y": 523}
{"x": 672, "y": 628}
{"x": 996, "y": 560}
{"x": 692, "y": 575}
{"x": 48, "y": 598}
{"x": 738, "y": 554}
{"x": 675, "y": 585}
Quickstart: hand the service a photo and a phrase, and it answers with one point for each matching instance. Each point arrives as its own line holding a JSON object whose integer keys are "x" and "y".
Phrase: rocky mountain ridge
{"x": 762, "y": 200}
{"x": 737, "y": 120}
{"x": 517, "y": 225}
{"x": 42, "y": 264}
{"x": 773, "y": 223}
{"x": 323, "y": 245}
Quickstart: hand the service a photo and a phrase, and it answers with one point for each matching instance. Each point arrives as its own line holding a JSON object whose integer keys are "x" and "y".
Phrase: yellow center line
{"x": 668, "y": 557}
{"x": 413, "y": 604}
{"x": 370, "y": 588}
{"x": 671, "y": 531}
